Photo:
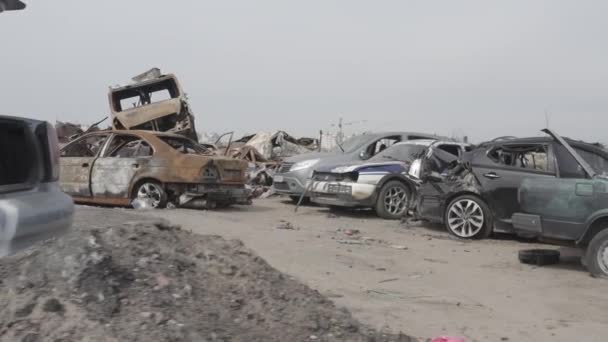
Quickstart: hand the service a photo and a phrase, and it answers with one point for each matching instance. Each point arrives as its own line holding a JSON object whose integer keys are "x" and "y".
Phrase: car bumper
{"x": 343, "y": 194}
{"x": 31, "y": 216}
{"x": 230, "y": 194}
{"x": 289, "y": 185}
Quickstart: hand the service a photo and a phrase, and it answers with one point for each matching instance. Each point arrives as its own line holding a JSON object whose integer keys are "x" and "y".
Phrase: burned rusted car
{"x": 150, "y": 168}
{"x": 154, "y": 102}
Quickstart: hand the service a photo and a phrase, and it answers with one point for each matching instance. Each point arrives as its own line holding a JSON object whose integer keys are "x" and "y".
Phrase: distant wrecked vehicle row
{"x": 552, "y": 188}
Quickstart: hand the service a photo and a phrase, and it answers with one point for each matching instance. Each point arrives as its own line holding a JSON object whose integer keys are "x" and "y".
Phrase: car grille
{"x": 285, "y": 167}
{"x": 281, "y": 186}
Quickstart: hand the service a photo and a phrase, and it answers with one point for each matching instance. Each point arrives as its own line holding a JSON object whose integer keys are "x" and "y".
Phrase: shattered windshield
{"x": 352, "y": 144}
{"x": 183, "y": 145}
{"x": 401, "y": 152}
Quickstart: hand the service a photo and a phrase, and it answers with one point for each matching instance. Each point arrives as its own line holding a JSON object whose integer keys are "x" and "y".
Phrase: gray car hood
{"x": 325, "y": 158}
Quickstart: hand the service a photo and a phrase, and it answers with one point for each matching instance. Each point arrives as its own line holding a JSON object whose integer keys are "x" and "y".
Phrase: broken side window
{"x": 568, "y": 166}
{"x": 597, "y": 162}
{"x": 84, "y": 147}
{"x": 144, "y": 95}
{"x": 381, "y": 145}
{"x": 128, "y": 146}
{"x": 183, "y": 145}
{"x": 402, "y": 152}
{"x": 452, "y": 149}
{"x": 531, "y": 157}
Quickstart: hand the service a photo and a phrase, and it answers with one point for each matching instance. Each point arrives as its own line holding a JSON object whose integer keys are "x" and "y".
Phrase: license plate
{"x": 278, "y": 179}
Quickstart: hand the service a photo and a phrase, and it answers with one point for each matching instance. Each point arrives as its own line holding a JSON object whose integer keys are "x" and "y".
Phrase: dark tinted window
{"x": 18, "y": 154}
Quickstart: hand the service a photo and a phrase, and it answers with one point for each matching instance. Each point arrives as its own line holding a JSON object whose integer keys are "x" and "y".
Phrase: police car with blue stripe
{"x": 383, "y": 182}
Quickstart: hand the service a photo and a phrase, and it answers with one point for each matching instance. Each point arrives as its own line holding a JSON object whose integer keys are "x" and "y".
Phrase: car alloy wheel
{"x": 395, "y": 201}
{"x": 465, "y": 218}
{"x": 151, "y": 193}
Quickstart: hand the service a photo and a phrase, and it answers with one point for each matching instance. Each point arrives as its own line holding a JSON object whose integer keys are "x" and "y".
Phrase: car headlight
{"x": 415, "y": 168}
{"x": 304, "y": 164}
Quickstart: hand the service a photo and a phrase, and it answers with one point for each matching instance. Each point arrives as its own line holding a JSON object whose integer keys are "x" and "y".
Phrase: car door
{"x": 565, "y": 203}
{"x": 77, "y": 160}
{"x": 433, "y": 189}
{"x": 500, "y": 170}
{"x": 123, "y": 158}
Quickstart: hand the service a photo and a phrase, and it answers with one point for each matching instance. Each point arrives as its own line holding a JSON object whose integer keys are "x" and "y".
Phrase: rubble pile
{"x": 150, "y": 281}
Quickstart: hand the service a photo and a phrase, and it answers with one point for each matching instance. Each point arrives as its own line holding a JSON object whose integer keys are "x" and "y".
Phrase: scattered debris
{"x": 287, "y": 226}
{"x": 388, "y": 280}
{"x": 399, "y": 247}
{"x": 539, "y": 257}
{"x": 448, "y": 339}
{"x": 193, "y": 288}
{"x": 350, "y": 242}
{"x": 351, "y": 232}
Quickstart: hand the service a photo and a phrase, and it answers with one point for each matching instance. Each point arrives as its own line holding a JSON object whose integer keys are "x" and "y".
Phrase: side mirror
{"x": 363, "y": 155}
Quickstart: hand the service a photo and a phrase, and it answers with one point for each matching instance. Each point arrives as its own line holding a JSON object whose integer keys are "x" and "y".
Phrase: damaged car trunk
{"x": 154, "y": 102}
{"x": 148, "y": 169}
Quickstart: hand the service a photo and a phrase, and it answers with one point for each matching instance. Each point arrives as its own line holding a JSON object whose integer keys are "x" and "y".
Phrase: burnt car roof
{"x": 143, "y": 83}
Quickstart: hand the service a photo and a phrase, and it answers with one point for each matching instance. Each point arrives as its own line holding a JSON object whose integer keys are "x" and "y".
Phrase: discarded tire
{"x": 539, "y": 257}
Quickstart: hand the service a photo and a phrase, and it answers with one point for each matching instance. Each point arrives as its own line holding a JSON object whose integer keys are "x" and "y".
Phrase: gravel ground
{"x": 145, "y": 281}
{"x": 417, "y": 279}
{"x": 393, "y": 277}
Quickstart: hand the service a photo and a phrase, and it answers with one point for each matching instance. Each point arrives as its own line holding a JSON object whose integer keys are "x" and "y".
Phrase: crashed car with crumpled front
{"x": 150, "y": 169}
{"x": 381, "y": 182}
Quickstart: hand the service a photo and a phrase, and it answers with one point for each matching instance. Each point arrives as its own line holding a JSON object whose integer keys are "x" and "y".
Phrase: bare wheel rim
{"x": 395, "y": 200}
{"x": 151, "y": 193}
{"x": 602, "y": 257}
{"x": 465, "y": 218}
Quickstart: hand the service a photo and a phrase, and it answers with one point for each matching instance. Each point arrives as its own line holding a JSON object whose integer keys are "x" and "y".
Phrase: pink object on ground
{"x": 448, "y": 339}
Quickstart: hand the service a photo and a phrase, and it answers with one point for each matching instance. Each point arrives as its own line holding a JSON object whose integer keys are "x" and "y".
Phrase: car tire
{"x": 596, "y": 256}
{"x": 296, "y": 199}
{"x": 474, "y": 223}
{"x": 393, "y": 200}
{"x": 152, "y": 193}
{"x": 539, "y": 257}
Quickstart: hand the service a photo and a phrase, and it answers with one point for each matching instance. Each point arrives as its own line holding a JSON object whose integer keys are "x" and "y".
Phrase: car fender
{"x": 410, "y": 183}
{"x": 593, "y": 218}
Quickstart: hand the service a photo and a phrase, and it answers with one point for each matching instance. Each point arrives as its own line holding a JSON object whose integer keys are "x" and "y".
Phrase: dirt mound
{"x": 155, "y": 282}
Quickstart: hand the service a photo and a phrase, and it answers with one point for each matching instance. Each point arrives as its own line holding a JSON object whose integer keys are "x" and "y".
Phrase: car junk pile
{"x": 548, "y": 187}
{"x": 150, "y": 157}
{"x": 551, "y": 188}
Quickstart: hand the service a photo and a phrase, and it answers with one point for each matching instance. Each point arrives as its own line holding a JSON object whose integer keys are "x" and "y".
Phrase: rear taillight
{"x": 49, "y": 143}
{"x": 54, "y": 154}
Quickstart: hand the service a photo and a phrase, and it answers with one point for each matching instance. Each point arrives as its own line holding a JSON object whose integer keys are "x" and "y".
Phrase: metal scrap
{"x": 154, "y": 102}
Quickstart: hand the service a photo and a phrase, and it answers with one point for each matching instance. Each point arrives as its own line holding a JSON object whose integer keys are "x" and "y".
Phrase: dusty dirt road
{"x": 412, "y": 279}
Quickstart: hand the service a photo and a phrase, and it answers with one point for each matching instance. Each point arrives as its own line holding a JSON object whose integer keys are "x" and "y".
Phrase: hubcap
{"x": 150, "y": 193}
{"x": 465, "y": 218}
{"x": 395, "y": 201}
{"x": 602, "y": 257}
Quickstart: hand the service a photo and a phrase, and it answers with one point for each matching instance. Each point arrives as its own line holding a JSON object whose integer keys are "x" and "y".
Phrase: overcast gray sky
{"x": 484, "y": 68}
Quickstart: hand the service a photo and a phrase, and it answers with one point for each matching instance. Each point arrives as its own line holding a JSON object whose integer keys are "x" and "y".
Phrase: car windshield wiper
{"x": 390, "y": 157}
